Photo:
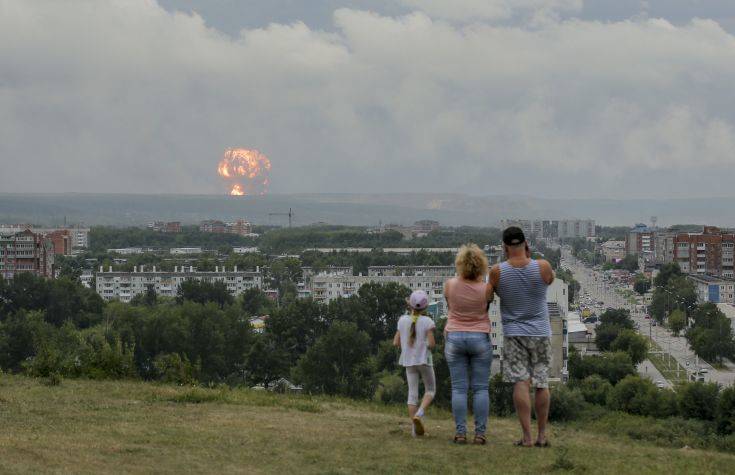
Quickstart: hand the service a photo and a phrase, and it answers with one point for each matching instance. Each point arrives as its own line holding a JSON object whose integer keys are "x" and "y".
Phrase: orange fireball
{"x": 245, "y": 171}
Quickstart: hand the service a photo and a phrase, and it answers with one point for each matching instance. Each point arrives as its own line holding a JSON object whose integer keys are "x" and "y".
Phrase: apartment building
{"x": 710, "y": 252}
{"x": 640, "y": 240}
{"x": 26, "y": 251}
{"x": 613, "y": 251}
{"x": 165, "y": 227}
{"x": 240, "y": 227}
{"x": 327, "y": 286}
{"x": 553, "y": 229}
{"x": 713, "y": 289}
{"x": 663, "y": 252}
{"x": 123, "y": 286}
{"x": 78, "y": 235}
{"x": 424, "y": 227}
{"x": 62, "y": 242}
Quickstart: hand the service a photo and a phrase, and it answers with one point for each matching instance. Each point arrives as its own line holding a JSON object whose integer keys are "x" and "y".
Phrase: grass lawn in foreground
{"x": 135, "y": 427}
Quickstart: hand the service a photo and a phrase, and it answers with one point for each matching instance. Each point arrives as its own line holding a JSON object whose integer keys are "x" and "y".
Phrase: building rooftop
{"x": 710, "y": 279}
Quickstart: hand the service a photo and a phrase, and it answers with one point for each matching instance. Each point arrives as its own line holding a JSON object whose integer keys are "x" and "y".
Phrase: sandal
{"x": 544, "y": 444}
{"x": 479, "y": 440}
{"x": 521, "y": 444}
{"x": 460, "y": 439}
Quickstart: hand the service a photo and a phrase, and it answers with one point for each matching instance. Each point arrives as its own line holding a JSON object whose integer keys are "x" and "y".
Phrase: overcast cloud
{"x": 540, "y": 97}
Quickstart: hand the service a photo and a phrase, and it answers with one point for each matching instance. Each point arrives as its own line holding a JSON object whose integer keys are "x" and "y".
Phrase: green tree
{"x": 725, "y": 415}
{"x": 203, "y": 292}
{"x": 339, "y": 363}
{"x": 698, "y": 400}
{"x": 383, "y": 305}
{"x": 678, "y": 293}
{"x": 667, "y": 272}
{"x": 642, "y": 284}
{"x": 265, "y": 362}
{"x": 677, "y": 321}
{"x": 612, "y": 323}
{"x": 711, "y": 335}
{"x": 611, "y": 366}
{"x": 630, "y": 342}
{"x": 255, "y": 302}
{"x": 296, "y": 326}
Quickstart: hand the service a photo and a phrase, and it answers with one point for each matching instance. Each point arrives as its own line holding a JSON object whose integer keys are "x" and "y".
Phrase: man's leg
{"x": 516, "y": 370}
{"x": 542, "y": 412}
{"x": 522, "y": 403}
{"x": 541, "y": 362}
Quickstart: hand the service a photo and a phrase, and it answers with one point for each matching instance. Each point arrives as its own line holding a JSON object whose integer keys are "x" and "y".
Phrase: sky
{"x": 548, "y": 98}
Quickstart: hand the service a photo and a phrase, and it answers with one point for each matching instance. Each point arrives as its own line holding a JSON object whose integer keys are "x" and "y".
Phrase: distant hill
{"x": 353, "y": 209}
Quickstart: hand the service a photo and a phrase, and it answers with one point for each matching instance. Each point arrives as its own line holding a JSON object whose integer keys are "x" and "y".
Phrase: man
{"x": 521, "y": 284}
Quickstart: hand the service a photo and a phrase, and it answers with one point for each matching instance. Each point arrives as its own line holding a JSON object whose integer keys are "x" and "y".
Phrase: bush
{"x": 53, "y": 379}
{"x": 566, "y": 403}
{"x": 501, "y": 396}
{"x": 726, "y": 411}
{"x": 595, "y": 389}
{"x": 171, "y": 368}
{"x": 611, "y": 366}
{"x": 391, "y": 389}
{"x": 640, "y": 396}
{"x": 698, "y": 400}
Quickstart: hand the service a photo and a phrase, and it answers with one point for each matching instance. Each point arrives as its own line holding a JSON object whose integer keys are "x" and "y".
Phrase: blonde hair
{"x": 471, "y": 262}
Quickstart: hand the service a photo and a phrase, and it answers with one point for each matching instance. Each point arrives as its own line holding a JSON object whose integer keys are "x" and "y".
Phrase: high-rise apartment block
{"x": 640, "y": 241}
{"x": 553, "y": 229}
{"x": 710, "y": 252}
{"x": 26, "y": 251}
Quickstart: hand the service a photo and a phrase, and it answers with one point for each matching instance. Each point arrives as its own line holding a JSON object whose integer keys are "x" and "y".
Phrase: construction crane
{"x": 289, "y": 214}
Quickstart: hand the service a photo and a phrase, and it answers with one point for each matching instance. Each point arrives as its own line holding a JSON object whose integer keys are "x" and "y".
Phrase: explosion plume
{"x": 245, "y": 171}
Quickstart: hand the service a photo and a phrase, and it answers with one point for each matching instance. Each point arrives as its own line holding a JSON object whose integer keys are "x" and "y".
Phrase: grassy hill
{"x": 99, "y": 427}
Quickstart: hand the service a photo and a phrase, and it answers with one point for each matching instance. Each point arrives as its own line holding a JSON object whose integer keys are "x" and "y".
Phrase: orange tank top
{"x": 468, "y": 310}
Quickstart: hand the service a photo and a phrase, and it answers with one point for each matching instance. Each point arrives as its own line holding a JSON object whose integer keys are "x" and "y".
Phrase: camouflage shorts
{"x": 527, "y": 357}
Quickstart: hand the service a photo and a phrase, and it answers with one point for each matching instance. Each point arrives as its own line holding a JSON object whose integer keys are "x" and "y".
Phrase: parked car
{"x": 660, "y": 384}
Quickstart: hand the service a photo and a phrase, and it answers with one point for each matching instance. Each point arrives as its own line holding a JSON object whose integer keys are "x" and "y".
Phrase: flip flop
{"x": 479, "y": 440}
{"x": 521, "y": 444}
{"x": 460, "y": 439}
{"x": 544, "y": 444}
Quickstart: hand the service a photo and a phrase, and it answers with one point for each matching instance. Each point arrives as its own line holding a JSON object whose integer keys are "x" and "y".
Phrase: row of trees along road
{"x": 610, "y": 380}
{"x": 707, "y": 329}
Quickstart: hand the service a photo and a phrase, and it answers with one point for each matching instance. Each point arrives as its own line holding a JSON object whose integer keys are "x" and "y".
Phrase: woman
{"x": 467, "y": 349}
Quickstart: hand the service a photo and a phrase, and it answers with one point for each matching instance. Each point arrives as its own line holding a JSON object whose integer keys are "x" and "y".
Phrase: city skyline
{"x": 548, "y": 98}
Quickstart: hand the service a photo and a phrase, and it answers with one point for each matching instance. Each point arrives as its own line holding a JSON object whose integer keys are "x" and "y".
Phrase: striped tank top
{"x": 467, "y": 307}
{"x": 522, "y": 294}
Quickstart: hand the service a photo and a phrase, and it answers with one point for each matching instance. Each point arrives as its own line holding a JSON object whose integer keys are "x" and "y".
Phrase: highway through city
{"x": 594, "y": 284}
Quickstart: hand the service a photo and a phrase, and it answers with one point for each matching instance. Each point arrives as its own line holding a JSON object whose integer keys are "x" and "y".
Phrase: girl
{"x": 415, "y": 338}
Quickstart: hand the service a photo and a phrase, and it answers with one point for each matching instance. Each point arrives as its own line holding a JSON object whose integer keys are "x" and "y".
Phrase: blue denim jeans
{"x": 469, "y": 355}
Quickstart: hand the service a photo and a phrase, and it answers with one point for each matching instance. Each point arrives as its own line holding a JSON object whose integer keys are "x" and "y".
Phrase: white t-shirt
{"x": 419, "y": 353}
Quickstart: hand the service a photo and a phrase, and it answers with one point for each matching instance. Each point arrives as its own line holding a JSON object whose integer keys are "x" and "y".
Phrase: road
{"x": 601, "y": 290}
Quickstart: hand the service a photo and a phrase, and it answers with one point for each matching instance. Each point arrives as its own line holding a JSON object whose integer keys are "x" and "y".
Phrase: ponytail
{"x": 412, "y": 334}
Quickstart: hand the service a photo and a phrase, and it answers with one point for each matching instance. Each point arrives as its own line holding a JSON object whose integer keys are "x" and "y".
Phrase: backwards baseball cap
{"x": 418, "y": 300}
{"x": 513, "y": 236}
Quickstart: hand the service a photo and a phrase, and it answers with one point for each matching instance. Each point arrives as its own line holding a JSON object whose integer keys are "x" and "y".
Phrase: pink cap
{"x": 418, "y": 300}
